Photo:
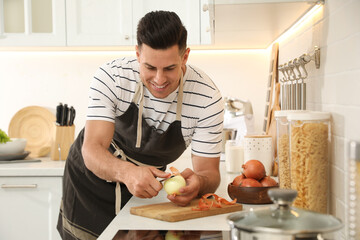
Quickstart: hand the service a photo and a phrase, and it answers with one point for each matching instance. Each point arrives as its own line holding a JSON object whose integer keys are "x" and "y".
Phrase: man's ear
{"x": 185, "y": 56}
{"x": 137, "y": 49}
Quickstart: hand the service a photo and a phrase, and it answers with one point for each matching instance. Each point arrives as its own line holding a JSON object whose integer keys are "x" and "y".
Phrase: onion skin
{"x": 250, "y": 182}
{"x": 268, "y": 182}
{"x": 238, "y": 180}
{"x": 254, "y": 169}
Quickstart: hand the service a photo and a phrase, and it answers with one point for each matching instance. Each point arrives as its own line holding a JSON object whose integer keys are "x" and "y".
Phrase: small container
{"x": 259, "y": 147}
{"x": 282, "y": 146}
{"x": 234, "y": 156}
{"x": 309, "y": 159}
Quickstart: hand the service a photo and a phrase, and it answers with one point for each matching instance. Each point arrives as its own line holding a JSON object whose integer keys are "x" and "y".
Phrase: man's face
{"x": 160, "y": 70}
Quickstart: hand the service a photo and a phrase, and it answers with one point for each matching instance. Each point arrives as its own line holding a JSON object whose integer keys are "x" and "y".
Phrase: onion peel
{"x": 205, "y": 203}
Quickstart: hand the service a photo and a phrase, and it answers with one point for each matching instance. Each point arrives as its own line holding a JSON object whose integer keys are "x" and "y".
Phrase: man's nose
{"x": 160, "y": 77}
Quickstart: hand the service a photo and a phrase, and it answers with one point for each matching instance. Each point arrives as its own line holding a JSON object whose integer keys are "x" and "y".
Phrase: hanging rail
{"x": 293, "y": 86}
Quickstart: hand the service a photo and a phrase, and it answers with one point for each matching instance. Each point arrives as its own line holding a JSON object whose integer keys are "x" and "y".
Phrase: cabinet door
{"x": 188, "y": 11}
{"x": 99, "y": 22}
{"x": 32, "y": 23}
{"x": 29, "y": 207}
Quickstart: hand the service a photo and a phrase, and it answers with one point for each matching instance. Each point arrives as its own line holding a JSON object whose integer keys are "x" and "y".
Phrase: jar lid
{"x": 308, "y": 115}
{"x": 284, "y": 113}
{"x": 284, "y": 219}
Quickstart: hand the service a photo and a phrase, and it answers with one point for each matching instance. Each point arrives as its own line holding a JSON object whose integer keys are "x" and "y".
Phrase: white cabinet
{"x": 32, "y": 23}
{"x": 99, "y": 23}
{"x": 114, "y": 23}
{"x": 188, "y": 11}
{"x": 29, "y": 207}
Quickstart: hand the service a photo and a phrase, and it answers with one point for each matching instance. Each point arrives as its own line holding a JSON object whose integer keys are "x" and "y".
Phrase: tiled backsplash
{"x": 335, "y": 87}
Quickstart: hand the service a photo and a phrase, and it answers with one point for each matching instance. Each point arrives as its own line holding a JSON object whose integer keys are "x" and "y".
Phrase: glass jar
{"x": 309, "y": 136}
{"x": 282, "y": 146}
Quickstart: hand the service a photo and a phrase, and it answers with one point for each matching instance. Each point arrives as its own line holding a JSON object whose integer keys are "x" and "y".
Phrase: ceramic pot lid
{"x": 284, "y": 219}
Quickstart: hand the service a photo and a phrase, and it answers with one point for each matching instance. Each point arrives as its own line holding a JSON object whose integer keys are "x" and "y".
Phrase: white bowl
{"x": 15, "y": 146}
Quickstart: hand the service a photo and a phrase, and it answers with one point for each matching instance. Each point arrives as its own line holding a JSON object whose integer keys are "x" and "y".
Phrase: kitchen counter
{"x": 126, "y": 221}
{"x": 46, "y": 167}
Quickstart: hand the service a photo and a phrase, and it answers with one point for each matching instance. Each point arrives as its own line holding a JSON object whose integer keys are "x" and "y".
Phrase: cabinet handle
{"x": 18, "y": 185}
{"x": 205, "y": 8}
{"x": 127, "y": 37}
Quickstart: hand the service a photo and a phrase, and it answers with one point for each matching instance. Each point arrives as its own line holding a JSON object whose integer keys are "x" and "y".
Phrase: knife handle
{"x": 59, "y": 109}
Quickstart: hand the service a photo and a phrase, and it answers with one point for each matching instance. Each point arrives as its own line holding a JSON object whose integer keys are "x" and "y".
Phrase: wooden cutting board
{"x": 170, "y": 212}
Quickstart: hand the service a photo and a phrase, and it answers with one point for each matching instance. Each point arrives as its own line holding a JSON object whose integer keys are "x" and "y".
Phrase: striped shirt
{"x": 202, "y": 114}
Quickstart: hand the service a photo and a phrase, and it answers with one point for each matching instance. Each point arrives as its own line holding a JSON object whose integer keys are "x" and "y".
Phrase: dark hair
{"x": 161, "y": 30}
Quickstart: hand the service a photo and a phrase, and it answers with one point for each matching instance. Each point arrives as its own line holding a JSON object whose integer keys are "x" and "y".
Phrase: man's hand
{"x": 204, "y": 179}
{"x": 190, "y": 191}
{"x": 142, "y": 182}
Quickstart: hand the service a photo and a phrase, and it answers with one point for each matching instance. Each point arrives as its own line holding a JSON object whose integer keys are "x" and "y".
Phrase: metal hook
{"x": 297, "y": 67}
{"x": 302, "y": 65}
{"x": 291, "y": 68}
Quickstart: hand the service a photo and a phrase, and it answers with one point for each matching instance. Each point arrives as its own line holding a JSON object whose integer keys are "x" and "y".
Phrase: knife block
{"x": 63, "y": 139}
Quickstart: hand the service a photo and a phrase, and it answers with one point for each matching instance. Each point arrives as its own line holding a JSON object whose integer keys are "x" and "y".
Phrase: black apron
{"x": 89, "y": 203}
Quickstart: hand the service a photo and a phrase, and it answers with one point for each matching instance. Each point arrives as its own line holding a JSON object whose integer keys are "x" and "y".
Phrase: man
{"x": 143, "y": 113}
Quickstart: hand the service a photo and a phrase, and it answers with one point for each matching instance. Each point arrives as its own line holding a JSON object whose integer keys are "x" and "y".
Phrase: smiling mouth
{"x": 159, "y": 87}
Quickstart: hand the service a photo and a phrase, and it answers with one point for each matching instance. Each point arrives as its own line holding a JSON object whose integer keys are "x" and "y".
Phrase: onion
{"x": 173, "y": 185}
{"x": 268, "y": 182}
{"x": 250, "y": 182}
{"x": 238, "y": 180}
{"x": 254, "y": 169}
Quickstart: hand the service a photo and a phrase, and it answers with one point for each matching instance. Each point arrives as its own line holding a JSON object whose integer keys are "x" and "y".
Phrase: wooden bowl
{"x": 249, "y": 195}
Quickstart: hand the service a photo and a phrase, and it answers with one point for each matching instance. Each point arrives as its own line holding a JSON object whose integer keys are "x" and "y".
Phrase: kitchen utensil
{"x": 249, "y": 195}
{"x": 14, "y": 146}
{"x": 15, "y": 156}
{"x": 228, "y": 134}
{"x": 72, "y": 113}
{"x": 273, "y": 79}
{"x": 272, "y": 127}
{"x": 170, "y": 212}
{"x": 282, "y": 221}
{"x": 239, "y": 116}
{"x": 162, "y": 180}
{"x": 59, "y": 112}
{"x": 36, "y": 125}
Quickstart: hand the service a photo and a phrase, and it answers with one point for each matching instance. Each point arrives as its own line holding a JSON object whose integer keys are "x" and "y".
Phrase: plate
{"x": 37, "y": 125}
{"x": 17, "y": 156}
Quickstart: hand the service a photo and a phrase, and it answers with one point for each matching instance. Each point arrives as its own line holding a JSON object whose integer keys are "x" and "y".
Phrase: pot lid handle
{"x": 282, "y": 196}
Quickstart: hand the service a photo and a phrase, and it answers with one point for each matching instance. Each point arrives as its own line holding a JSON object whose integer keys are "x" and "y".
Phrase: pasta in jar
{"x": 309, "y": 161}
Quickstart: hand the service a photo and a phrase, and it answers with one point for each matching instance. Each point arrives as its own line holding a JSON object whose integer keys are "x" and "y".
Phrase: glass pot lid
{"x": 282, "y": 218}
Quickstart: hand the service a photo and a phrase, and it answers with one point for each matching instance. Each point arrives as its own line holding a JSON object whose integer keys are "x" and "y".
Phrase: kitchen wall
{"x": 47, "y": 78}
{"x": 335, "y": 86}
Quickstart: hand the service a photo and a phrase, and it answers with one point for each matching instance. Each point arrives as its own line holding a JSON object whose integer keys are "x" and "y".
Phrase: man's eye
{"x": 150, "y": 68}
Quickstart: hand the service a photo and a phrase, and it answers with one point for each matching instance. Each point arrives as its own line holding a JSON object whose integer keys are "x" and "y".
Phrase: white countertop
{"x": 126, "y": 221}
{"x": 46, "y": 167}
